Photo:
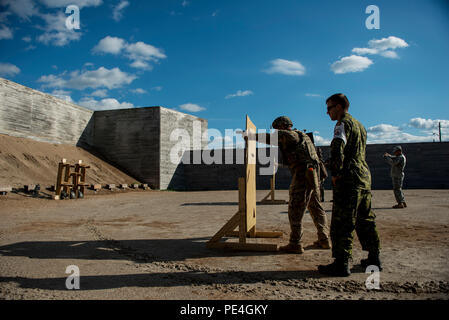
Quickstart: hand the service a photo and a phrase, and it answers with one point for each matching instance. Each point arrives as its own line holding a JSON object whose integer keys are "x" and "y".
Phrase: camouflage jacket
{"x": 347, "y": 161}
{"x": 397, "y": 165}
{"x": 296, "y": 148}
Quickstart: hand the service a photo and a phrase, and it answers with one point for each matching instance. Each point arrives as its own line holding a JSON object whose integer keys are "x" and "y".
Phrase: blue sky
{"x": 221, "y": 60}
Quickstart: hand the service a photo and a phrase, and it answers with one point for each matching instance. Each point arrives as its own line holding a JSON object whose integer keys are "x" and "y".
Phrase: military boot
{"x": 398, "y": 206}
{"x": 292, "y": 248}
{"x": 338, "y": 268}
{"x": 373, "y": 259}
{"x": 404, "y": 204}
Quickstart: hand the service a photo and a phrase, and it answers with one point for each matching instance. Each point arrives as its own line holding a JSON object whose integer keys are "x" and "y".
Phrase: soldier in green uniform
{"x": 298, "y": 152}
{"x": 351, "y": 179}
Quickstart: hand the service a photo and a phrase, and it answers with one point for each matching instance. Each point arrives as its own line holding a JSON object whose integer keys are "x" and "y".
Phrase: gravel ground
{"x": 151, "y": 245}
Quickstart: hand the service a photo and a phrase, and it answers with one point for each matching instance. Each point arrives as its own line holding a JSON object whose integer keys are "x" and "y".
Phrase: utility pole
{"x": 439, "y": 129}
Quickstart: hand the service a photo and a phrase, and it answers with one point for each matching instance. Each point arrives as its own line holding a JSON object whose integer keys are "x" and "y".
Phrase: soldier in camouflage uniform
{"x": 351, "y": 180}
{"x": 298, "y": 152}
{"x": 397, "y": 163}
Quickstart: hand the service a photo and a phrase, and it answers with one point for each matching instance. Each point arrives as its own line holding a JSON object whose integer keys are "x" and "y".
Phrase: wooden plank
{"x": 275, "y": 202}
{"x": 242, "y": 205}
{"x": 229, "y": 226}
{"x": 244, "y": 246}
{"x": 250, "y": 174}
{"x": 259, "y": 234}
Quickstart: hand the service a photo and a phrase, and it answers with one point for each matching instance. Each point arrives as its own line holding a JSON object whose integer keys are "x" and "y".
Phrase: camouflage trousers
{"x": 397, "y": 189}
{"x": 304, "y": 196}
{"x": 352, "y": 210}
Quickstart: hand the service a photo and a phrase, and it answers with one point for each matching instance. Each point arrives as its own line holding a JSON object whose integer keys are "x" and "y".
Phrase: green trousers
{"x": 352, "y": 211}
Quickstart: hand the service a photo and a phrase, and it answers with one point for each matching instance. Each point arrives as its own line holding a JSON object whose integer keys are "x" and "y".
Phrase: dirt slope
{"x": 25, "y": 161}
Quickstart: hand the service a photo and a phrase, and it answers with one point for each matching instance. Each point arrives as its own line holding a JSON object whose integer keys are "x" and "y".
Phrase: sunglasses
{"x": 330, "y": 107}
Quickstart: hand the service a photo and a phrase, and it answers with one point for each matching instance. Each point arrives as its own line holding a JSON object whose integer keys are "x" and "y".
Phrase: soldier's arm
{"x": 388, "y": 159}
{"x": 337, "y": 156}
{"x": 273, "y": 138}
{"x": 337, "y": 149}
{"x": 398, "y": 161}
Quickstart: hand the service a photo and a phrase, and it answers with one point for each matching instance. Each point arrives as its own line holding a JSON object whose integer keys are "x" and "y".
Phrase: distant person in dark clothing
{"x": 397, "y": 162}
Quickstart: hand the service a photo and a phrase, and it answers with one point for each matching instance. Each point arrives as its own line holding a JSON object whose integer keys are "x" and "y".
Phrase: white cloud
{"x": 364, "y": 51}
{"x": 157, "y": 88}
{"x": 117, "y": 13}
{"x": 320, "y": 141}
{"x": 8, "y": 70}
{"x": 396, "y": 137}
{"x": 102, "y": 77}
{"x": 139, "y": 90}
{"x": 30, "y": 47}
{"x": 104, "y": 104}
{"x": 214, "y": 14}
{"x": 26, "y": 39}
{"x": 191, "y": 107}
{"x": 386, "y": 133}
{"x": 112, "y": 45}
{"x": 352, "y": 63}
{"x": 239, "y": 93}
{"x": 314, "y": 95}
{"x": 65, "y": 3}
{"x": 4, "y": 15}
{"x": 56, "y": 31}
{"x": 387, "y": 43}
{"x": 383, "y": 128}
{"x": 185, "y": 3}
{"x": 139, "y": 64}
{"x": 101, "y": 93}
{"x": 5, "y": 33}
{"x": 383, "y": 47}
{"x": 389, "y": 54}
{"x": 22, "y": 8}
{"x": 282, "y": 66}
{"x": 428, "y": 124}
{"x": 139, "y": 52}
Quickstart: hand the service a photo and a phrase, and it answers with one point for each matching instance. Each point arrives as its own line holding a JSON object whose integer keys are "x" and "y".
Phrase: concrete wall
{"x": 129, "y": 139}
{"x": 138, "y": 142}
{"x": 427, "y": 167}
{"x": 29, "y": 113}
{"x": 171, "y": 174}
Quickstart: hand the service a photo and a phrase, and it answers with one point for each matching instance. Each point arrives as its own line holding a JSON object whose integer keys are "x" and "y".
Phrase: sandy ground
{"x": 151, "y": 245}
{"x": 25, "y": 161}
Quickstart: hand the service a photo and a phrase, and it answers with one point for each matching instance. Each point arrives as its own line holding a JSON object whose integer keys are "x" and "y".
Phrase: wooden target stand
{"x": 245, "y": 218}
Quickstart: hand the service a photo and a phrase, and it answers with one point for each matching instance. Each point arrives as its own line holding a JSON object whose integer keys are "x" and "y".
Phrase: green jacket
{"x": 347, "y": 161}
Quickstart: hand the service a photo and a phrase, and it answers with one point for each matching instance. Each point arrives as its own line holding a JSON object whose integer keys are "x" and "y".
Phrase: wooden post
{"x": 245, "y": 218}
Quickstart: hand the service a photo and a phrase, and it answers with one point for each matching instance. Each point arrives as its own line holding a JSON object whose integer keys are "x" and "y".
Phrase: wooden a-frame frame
{"x": 270, "y": 197}
{"x": 245, "y": 218}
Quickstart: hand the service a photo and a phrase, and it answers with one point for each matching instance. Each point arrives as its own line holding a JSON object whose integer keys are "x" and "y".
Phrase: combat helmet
{"x": 281, "y": 121}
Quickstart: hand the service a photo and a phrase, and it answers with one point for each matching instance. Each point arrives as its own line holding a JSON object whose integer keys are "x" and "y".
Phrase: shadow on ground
{"x": 163, "y": 279}
{"x": 144, "y": 251}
